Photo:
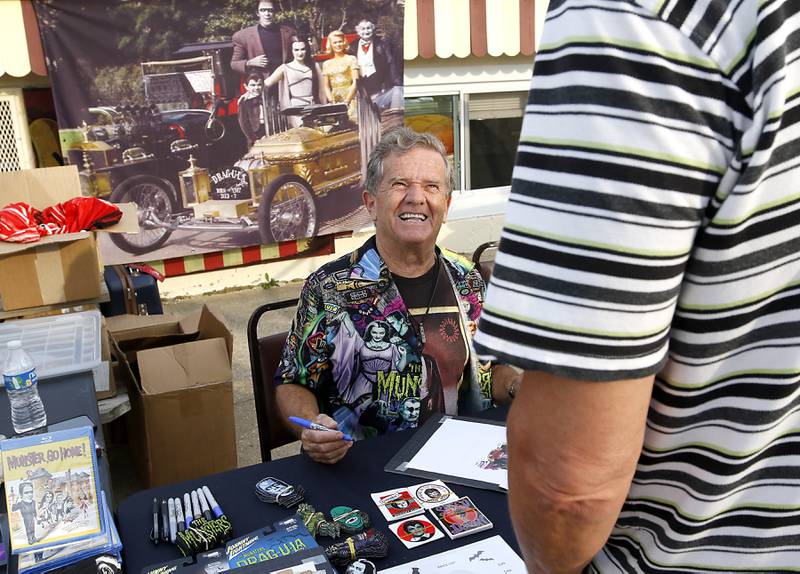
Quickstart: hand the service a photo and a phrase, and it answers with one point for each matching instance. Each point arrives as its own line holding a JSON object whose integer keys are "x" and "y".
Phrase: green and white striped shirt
{"x": 654, "y": 227}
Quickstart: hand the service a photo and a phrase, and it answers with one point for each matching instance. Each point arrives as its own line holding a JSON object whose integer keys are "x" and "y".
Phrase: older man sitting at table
{"x": 382, "y": 336}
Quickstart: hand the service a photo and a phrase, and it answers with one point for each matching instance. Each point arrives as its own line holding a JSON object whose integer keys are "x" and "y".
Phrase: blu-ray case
{"x": 52, "y": 489}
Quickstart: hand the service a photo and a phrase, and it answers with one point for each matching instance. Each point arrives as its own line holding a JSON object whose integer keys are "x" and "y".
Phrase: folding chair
{"x": 265, "y": 354}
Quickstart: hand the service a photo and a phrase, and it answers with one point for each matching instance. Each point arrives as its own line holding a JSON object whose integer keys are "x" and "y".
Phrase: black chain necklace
{"x": 421, "y": 323}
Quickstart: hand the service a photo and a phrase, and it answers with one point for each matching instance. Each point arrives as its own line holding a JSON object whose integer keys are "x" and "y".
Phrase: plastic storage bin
{"x": 59, "y": 344}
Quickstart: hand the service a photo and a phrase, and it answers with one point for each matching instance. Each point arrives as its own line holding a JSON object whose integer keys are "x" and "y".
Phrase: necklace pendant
{"x": 422, "y": 333}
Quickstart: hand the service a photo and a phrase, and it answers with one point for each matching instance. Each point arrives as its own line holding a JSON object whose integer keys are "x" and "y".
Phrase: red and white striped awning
{"x": 461, "y": 28}
{"x": 434, "y": 29}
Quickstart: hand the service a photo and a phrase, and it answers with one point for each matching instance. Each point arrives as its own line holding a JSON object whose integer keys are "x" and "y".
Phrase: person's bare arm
{"x": 297, "y": 401}
{"x": 326, "y": 85}
{"x": 322, "y": 91}
{"x": 275, "y": 76}
{"x": 573, "y": 448}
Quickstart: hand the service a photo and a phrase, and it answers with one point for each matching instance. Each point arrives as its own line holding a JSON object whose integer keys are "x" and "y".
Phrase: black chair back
{"x": 265, "y": 355}
{"x": 486, "y": 266}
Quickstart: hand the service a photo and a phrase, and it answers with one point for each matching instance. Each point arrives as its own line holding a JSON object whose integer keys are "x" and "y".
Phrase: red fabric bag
{"x": 21, "y": 223}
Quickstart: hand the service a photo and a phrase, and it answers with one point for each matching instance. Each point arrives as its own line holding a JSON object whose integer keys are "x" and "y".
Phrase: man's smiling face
{"x": 412, "y": 199}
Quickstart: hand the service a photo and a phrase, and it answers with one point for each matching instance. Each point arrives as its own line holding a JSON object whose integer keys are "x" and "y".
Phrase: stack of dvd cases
{"x": 57, "y": 514}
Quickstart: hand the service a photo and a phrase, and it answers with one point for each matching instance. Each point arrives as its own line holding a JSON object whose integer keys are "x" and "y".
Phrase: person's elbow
{"x": 559, "y": 510}
{"x": 560, "y": 493}
{"x": 578, "y": 485}
{"x": 568, "y": 501}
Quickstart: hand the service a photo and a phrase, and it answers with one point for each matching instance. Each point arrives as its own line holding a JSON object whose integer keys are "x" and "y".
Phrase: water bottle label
{"x": 21, "y": 381}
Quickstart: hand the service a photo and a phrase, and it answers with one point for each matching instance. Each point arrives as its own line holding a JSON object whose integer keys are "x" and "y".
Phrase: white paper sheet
{"x": 490, "y": 556}
{"x": 459, "y": 448}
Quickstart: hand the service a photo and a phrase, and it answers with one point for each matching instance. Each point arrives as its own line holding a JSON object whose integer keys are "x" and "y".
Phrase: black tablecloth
{"x": 348, "y": 483}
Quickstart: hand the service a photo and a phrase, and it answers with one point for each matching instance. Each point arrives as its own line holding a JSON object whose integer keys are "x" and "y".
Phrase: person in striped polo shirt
{"x": 648, "y": 281}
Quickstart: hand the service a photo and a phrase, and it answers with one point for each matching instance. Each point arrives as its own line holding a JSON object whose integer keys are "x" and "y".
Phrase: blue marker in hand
{"x": 314, "y": 426}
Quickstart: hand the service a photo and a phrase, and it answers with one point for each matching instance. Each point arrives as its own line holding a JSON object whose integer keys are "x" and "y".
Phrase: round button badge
{"x": 432, "y": 493}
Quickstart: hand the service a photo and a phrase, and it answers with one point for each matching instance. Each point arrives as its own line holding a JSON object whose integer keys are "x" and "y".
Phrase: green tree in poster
{"x": 152, "y": 30}
{"x": 317, "y": 18}
{"x": 158, "y": 28}
{"x": 225, "y": 18}
{"x": 116, "y": 84}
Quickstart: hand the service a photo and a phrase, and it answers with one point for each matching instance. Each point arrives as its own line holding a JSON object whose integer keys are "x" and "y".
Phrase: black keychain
{"x": 275, "y": 491}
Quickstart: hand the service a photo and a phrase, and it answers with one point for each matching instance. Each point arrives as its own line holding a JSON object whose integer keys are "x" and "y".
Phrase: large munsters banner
{"x": 228, "y": 122}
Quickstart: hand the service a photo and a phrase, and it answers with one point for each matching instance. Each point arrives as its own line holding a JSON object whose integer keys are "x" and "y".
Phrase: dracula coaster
{"x": 396, "y": 504}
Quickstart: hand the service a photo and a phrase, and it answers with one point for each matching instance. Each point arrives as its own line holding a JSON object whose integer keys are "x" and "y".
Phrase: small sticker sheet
{"x": 397, "y": 503}
{"x": 434, "y": 493}
{"x": 460, "y": 518}
{"x": 416, "y": 531}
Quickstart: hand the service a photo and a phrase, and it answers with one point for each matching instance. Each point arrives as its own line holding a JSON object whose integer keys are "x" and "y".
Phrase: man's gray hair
{"x": 401, "y": 140}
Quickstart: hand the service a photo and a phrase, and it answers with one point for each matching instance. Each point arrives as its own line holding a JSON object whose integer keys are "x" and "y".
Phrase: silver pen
{"x": 187, "y": 504}
{"x": 179, "y": 515}
{"x": 173, "y": 526}
{"x": 195, "y": 505}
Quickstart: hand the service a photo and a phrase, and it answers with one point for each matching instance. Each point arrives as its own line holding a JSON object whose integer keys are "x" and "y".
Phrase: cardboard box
{"x": 105, "y": 385}
{"x": 58, "y": 268}
{"x": 178, "y": 371}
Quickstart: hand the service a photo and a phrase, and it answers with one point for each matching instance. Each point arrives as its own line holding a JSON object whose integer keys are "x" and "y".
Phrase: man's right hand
{"x": 323, "y": 446}
{"x": 258, "y": 62}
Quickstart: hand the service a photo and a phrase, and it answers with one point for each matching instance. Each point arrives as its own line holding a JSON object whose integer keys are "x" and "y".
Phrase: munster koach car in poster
{"x": 228, "y": 122}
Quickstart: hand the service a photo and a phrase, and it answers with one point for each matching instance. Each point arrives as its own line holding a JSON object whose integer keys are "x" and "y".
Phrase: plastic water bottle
{"x": 19, "y": 378}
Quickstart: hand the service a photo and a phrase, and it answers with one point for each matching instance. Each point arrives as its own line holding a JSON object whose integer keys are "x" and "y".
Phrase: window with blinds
{"x": 497, "y": 105}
